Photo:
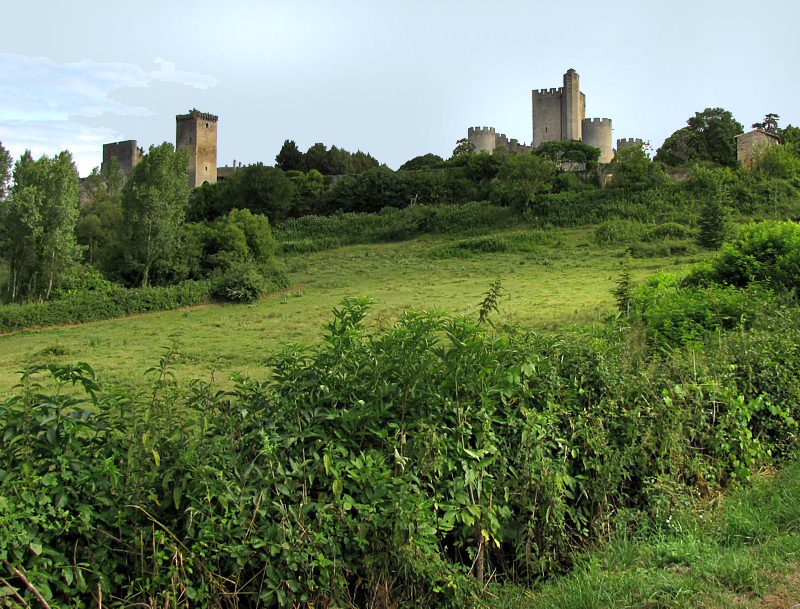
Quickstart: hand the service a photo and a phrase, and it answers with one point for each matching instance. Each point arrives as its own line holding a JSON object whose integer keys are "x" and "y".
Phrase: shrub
{"x": 78, "y": 307}
{"x": 766, "y": 252}
{"x": 246, "y": 282}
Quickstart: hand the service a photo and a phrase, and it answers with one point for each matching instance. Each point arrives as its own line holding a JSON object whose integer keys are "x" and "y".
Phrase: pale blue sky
{"x": 395, "y": 79}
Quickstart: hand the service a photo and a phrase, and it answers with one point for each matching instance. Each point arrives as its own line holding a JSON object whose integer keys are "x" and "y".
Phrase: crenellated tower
{"x": 597, "y": 133}
{"x": 482, "y": 138}
{"x": 196, "y": 133}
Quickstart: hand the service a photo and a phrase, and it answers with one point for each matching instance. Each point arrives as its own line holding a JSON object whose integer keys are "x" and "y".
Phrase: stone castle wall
{"x": 126, "y": 153}
{"x": 546, "y": 115}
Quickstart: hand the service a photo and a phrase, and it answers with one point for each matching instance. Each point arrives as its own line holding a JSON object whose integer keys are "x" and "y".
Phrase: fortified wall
{"x": 486, "y": 139}
{"x": 629, "y": 142}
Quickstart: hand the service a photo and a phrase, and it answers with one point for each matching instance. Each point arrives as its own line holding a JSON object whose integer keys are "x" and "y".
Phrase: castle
{"x": 195, "y": 133}
{"x": 557, "y": 115}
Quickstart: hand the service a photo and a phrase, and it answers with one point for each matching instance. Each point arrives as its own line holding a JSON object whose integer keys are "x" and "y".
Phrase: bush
{"x": 384, "y": 464}
{"x": 675, "y": 316}
{"x": 246, "y": 282}
{"x": 766, "y": 252}
{"x": 316, "y": 233}
{"x": 618, "y": 231}
{"x": 78, "y": 307}
{"x": 528, "y": 241}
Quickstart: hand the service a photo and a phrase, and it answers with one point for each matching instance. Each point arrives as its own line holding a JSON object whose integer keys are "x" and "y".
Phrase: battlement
{"x": 480, "y": 130}
{"x": 597, "y": 121}
{"x": 629, "y": 141}
{"x": 197, "y": 115}
{"x": 551, "y": 92}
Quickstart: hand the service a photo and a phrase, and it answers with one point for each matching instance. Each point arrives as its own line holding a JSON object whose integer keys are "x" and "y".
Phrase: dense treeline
{"x": 336, "y": 161}
{"x": 406, "y": 464}
{"x": 123, "y": 236}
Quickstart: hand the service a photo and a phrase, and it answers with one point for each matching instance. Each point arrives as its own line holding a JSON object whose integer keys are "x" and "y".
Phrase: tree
{"x": 38, "y": 225}
{"x": 680, "y": 148}
{"x": 422, "y": 162}
{"x": 154, "y": 201}
{"x": 570, "y": 151}
{"x": 5, "y": 171}
{"x": 790, "y": 135}
{"x": 716, "y": 129}
{"x": 316, "y": 157}
{"x": 770, "y": 124}
{"x": 463, "y": 146}
{"x": 633, "y": 169}
{"x": 261, "y": 189}
{"x": 521, "y": 178}
{"x": 290, "y": 158}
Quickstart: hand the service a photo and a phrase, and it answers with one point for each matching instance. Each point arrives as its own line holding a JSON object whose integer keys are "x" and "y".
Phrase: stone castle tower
{"x": 560, "y": 114}
{"x": 127, "y": 153}
{"x": 196, "y": 133}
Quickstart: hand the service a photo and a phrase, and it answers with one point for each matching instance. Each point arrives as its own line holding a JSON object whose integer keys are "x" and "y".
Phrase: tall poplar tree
{"x": 38, "y": 225}
{"x": 154, "y": 201}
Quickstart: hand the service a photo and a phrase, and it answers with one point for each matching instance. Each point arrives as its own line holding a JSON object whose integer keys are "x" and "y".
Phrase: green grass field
{"x": 564, "y": 282}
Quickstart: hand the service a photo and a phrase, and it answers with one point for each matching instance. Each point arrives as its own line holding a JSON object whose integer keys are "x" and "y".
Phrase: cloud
{"x": 49, "y": 106}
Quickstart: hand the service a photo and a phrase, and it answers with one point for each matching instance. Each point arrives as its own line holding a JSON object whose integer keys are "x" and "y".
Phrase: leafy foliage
{"x": 386, "y": 464}
{"x": 425, "y": 161}
{"x": 154, "y": 203}
{"x": 37, "y": 225}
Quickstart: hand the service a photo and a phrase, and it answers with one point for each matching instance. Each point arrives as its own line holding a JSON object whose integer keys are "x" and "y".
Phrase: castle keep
{"x": 557, "y": 115}
{"x": 195, "y": 132}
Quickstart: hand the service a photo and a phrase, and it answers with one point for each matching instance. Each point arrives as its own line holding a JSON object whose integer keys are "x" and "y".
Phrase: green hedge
{"x": 93, "y": 305}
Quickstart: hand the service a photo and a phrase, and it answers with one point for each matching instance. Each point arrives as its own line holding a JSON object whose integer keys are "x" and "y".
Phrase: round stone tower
{"x": 597, "y": 133}
{"x": 482, "y": 138}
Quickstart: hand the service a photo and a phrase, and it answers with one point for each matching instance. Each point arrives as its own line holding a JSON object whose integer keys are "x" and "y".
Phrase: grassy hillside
{"x": 560, "y": 277}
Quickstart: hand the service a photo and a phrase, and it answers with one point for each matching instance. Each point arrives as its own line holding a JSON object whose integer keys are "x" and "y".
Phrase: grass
{"x": 742, "y": 551}
{"x": 560, "y": 279}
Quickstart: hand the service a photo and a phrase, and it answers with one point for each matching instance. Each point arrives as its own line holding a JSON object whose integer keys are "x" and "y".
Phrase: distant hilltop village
{"x": 558, "y": 114}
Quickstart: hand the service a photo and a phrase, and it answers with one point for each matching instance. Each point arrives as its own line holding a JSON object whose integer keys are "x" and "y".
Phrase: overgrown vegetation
{"x": 410, "y": 463}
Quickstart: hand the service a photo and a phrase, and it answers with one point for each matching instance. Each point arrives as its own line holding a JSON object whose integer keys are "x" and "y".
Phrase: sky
{"x": 396, "y": 79}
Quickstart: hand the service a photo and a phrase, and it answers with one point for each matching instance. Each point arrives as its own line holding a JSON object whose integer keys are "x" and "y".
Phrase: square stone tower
{"x": 196, "y": 133}
{"x": 127, "y": 153}
{"x": 558, "y": 113}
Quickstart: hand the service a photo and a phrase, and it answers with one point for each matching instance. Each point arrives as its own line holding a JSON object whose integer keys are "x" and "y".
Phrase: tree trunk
{"x": 479, "y": 557}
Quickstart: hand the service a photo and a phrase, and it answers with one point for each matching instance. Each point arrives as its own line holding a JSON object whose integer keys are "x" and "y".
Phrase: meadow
{"x": 562, "y": 278}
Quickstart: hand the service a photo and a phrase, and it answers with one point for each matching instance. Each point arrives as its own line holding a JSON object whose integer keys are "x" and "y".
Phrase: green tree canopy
{"x": 634, "y": 170}
{"x": 290, "y": 158}
{"x": 422, "y": 162}
{"x": 37, "y": 225}
{"x": 681, "y": 148}
{"x": 521, "y": 177}
{"x": 463, "y": 146}
{"x": 709, "y": 136}
{"x": 570, "y": 151}
{"x": 769, "y": 124}
{"x": 717, "y": 129}
{"x": 154, "y": 201}
{"x": 5, "y": 171}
